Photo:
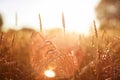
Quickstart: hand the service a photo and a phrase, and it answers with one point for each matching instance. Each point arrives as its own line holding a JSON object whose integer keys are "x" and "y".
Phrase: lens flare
{"x": 49, "y": 73}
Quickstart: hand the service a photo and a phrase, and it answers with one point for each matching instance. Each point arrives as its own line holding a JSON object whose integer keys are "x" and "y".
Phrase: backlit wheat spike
{"x": 16, "y": 19}
{"x": 40, "y": 23}
{"x": 98, "y": 68}
{"x": 1, "y": 37}
{"x": 63, "y": 21}
{"x": 13, "y": 39}
{"x": 103, "y": 34}
{"x": 95, "y": 28}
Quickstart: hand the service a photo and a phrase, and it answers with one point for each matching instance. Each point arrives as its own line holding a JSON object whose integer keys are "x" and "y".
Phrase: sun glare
{"x": 49, "y": 73}
{"x": 78, "y": 14}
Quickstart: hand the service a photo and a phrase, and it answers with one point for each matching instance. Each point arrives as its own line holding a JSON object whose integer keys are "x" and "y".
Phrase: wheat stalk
{"x": 95, "y": 29}
{"x": 16, "y": 19}
{"x": 13, "y": 39}
{"x": 40, "y": 23}
{"x": 1, "y": 37}
{"x": 63, "y": 22}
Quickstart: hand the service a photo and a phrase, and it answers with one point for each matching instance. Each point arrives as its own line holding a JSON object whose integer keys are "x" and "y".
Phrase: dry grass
{"x": 101, "y": 54}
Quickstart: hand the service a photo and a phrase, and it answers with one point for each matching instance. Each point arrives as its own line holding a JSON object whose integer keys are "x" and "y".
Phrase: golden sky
{"x": 79, "y": 14}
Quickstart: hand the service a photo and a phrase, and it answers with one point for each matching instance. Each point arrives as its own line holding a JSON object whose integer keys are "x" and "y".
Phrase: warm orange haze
{"x": 59, "y": 40}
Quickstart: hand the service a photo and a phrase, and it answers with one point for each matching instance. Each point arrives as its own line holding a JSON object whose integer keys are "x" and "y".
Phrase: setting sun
{"x": 78, "y": 14}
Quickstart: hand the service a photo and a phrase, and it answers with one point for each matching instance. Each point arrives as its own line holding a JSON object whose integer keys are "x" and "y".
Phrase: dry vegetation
{"x": 25, "y": 54}
{"x": 102, "y": 57}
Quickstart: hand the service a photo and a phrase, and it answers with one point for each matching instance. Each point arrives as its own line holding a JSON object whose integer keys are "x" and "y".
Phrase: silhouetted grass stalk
{"x": 1, "y": 37}
{"x": 16, "y": 19}
{"x": 95, "y": 29}
{"x": 13, "y": 39}
{"x": 98, "y": 52}
{"x": 63, "y": 22}
{"x": 40, "y": 23}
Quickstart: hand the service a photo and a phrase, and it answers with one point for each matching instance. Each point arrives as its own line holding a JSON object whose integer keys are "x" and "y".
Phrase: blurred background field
{"x": 26, "y": 54}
